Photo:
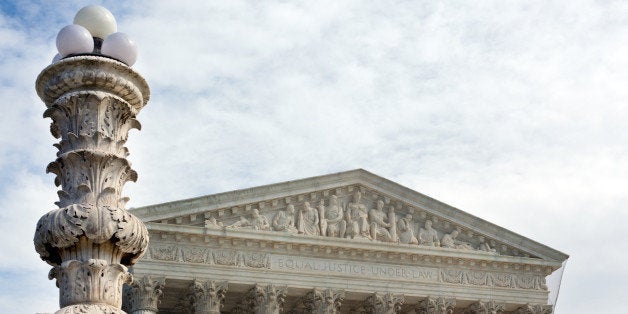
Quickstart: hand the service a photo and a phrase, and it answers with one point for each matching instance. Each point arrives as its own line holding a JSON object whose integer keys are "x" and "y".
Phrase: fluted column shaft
{"x": 91, "y": 238}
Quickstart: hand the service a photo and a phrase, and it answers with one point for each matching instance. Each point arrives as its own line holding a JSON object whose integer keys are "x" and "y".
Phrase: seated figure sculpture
{"x": 428, "y": 236}
{"x": 380, "y": 227}
{"x": 406, "y": 230}
{"x": 332, "y": 219}
{"x": 308, "y": 220}
{"x": 356, "y": 216}
{"x": 284, "y": 220}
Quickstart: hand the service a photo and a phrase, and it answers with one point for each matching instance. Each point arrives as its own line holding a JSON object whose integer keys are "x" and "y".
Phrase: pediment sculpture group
{"x": 353, "y": 221}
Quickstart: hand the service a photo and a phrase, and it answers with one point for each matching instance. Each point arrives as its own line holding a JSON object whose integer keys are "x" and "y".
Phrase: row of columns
{"x": 207, "y": 297}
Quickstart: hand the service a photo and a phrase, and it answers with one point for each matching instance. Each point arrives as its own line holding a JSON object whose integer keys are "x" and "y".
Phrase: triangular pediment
{"x": 352, "y": 205}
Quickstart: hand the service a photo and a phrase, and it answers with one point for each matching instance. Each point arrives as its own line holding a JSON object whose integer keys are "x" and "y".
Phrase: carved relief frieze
{"x": 354, "y": 212}
{"x": 492, "y": 279}
{"x": 227, "y": 257}
{"x": 164, "y": 252}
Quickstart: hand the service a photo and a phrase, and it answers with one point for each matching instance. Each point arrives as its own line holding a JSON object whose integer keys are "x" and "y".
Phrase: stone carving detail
{"x": 490, "y": 279}
{"x": 308, "y": 220}
{"x": 357, "y": 218}
{"x": 226, "y": 257}
{"x": 263, "y": 300}
{"x": 449, "y": 241}
{"x": 485, "y": 307}
{"x": 93, "y": 102}
{"x": 163, "y": 253}
{"x": 94, "y": 281}
{"x": 406, "y": 230}
{"x": 284, "y": 220}
{"x": 195, "y": 254}
{"x": 485, "y": 247}
{"x": 208, "y": 297}
{"x": 332, "y": 218}
{"x": 256, "y": 260}
{"x": 383, "y": 227}
{"x": 257, "y": 222}
{"x": 327, "y": 301}
{"x": 387, "y": 303}
{"x": 144, "y": 294}
{"x": 535, "y": 309}
{"x": 436, "y": 306}
{"x": 211, "y": 223}
{"x": 428, "y": 236}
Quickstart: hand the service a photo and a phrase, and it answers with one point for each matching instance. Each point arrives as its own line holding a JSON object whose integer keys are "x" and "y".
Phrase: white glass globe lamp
{"x": 121, "y": 47}
{"x": 98, "y": 21}
{"x": 74, "y": 39}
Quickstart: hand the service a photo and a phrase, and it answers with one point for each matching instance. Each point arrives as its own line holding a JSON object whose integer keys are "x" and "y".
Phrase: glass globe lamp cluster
{"x": 95, "y": 32}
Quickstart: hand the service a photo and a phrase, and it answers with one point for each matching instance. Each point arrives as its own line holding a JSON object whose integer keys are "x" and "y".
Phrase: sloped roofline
{"x": 240, "y": 197}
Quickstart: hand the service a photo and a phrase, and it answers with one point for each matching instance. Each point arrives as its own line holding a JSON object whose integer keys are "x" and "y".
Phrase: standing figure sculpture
{"x": 308, "y": 221}
{"x": 428, "y": 236}
{"x": 406, "y": 230}
{"x": 333, "y": 223}
{"x": 379, "y": 226}
{"x": 284, "y": 220}
{"x": 356, "y": 216}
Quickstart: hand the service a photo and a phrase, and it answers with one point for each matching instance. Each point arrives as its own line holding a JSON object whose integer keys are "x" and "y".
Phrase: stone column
{"x": 535, "y": 309}
{"x": 262, "y": 300}
{"x": 207, "y": 297}
{"x": 436, "y": 306}
{"x": 387, "y": 303}
{"x": 91, "y": 238}
{"x": 326, "y": 301}
{"x": 485, "y": 307}
{"x": 144, "y": 295}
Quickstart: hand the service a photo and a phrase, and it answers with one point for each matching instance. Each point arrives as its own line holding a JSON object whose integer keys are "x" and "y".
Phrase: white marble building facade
{"x": 349, "y": 242}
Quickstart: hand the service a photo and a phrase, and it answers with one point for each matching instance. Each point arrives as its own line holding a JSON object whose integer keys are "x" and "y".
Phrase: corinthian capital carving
{"x": 144, "y": 294}
{"x": 485, "y": 307}
{"x": 83, "y": 282}
{"x": 325, "y": 301}
{"x": 208, "y": 297}
{"x": 436, "y": 306}
{"x": 387, "y": 303}
{"x": 263, "y": 300}
{"x": 535, "y": 309}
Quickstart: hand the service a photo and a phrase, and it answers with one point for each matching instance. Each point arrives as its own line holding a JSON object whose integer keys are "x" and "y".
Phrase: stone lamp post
{"x": 92, "y": 96}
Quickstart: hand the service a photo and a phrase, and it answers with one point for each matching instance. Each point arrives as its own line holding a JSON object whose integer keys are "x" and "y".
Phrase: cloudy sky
{"x": 514, "y": 111}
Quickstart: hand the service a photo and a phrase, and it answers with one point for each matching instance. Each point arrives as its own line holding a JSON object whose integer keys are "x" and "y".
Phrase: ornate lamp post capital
{"x": 93, "y": 101}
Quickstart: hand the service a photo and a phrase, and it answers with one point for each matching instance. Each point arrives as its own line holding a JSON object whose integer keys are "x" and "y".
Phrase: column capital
{"x": 323, "y": 301}
{"x": 535, "y": 309}
{"x": 207, "y": 297}
{"x": 384, "y": 303}
{"x": 438, "y": 305}
{"x": 144, "y": 294}
{"x": 485, "y": 307}
{"x": 263, "y": 299}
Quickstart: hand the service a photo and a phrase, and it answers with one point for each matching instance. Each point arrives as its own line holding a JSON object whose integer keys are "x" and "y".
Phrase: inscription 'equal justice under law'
{"x": 354, "y": 268}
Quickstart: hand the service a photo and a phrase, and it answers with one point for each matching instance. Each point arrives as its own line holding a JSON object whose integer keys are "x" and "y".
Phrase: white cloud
{"x": 514, "y": 112}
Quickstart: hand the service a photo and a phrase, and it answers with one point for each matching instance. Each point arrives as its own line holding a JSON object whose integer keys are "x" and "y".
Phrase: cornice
{"x": 338, "y": 248}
